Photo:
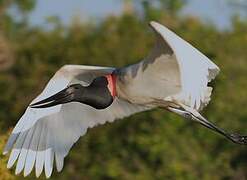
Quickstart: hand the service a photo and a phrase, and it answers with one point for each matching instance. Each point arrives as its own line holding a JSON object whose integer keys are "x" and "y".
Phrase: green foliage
{"x": 150, "y": 145}
{"x": 4, "y": 173}
{"x": 154, "y": 10}
{"x": 26, "y": 5}
{"x": 172, "y": 5}
{"x": 23, "y": 5}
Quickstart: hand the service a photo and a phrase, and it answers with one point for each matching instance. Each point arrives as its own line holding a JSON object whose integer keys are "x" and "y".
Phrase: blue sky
{"x": 65, "y": 9}
{"x": 215, "y": 11}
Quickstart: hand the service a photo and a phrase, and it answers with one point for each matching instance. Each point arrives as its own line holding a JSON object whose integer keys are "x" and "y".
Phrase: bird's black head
{"x": 96, "y": 95}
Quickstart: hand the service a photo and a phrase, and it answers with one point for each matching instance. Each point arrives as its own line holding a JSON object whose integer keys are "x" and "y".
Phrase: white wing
{"x": 196, "y": 70}
{"x": 43, "y": 136}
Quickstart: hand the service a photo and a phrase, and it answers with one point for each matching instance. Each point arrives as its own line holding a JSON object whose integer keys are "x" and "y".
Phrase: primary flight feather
{"x": 174, "y": 76}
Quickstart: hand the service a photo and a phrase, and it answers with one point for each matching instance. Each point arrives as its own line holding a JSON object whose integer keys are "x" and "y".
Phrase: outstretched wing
{"x": 43, "y": 136}
{"x": 195, "y": 69}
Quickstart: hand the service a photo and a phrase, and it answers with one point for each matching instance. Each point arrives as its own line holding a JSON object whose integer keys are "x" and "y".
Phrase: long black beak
{"x": 236, "y": 138}
{"x": 64, "y": 96}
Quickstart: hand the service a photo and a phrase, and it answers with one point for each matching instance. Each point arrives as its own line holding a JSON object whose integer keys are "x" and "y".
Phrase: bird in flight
{"x": 174, "y": 76}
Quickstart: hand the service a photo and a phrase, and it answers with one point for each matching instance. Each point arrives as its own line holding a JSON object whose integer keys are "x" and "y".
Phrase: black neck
{"x": 96, "y": 94}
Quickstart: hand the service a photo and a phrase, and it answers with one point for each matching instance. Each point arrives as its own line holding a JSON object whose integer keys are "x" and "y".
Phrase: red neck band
{"x": 111, "y": 78}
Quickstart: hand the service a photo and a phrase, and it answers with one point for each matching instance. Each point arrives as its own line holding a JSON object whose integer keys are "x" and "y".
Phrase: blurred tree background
{"x": 151, "y": 145}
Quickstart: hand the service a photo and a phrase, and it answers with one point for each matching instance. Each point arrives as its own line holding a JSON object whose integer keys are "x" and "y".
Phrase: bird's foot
{"x": 236, "y": 138}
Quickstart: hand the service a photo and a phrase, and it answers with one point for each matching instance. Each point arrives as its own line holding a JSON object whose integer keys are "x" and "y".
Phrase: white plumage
{"x": 195, "y": 68}
{"x": 174, "y": 76}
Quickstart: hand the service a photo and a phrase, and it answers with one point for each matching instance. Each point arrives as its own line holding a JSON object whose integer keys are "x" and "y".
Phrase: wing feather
{"x": 42, "y": 135}
{"x": 49, "y": 154}
{"x": 10, "y": 143}
{"x": 32, "y": 151}
{"x": 39, "y": 164}
{"x": 24, "y": 149}
{"x": 16, "y": 150}
{"x": 195, "y": 69}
